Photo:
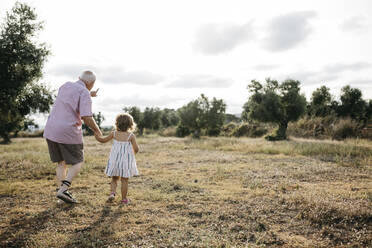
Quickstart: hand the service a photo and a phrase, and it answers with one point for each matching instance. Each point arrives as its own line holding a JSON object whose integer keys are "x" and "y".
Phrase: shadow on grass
{"x": 23, "y": 227}
{"x": 97, "y": 234}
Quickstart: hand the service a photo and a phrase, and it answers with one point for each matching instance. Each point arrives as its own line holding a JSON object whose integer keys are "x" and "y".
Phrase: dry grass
{"x": 213, "y": 192}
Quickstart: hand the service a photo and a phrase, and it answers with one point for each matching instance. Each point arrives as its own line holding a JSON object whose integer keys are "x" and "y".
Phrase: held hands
{"x": 98, "y": 135}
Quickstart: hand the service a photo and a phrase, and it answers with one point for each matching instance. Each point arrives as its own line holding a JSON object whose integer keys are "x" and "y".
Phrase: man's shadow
{"x": 21, "y": 228}
{"x": 97, "y": 234}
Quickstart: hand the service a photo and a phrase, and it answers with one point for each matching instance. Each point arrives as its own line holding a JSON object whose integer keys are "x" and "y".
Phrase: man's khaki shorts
{"x": 70, "y": 153}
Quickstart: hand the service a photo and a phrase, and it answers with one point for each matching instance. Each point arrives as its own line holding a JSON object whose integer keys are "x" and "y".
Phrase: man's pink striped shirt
{"x": 64, "y": 122}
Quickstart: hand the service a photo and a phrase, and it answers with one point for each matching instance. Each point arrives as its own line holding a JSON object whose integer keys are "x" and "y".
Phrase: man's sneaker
{"x": 66, "y": 197}
{"x": 111, "y": 197}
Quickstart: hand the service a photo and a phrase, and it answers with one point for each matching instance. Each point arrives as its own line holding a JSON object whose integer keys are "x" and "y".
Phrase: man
{"x": 63, "y": 130}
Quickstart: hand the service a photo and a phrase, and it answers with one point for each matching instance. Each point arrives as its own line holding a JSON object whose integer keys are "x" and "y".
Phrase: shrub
{"x": 169, "y": 132}
{"x": 346, "y": 128}
{"x": 249, "y": 130}
{"x": 228, "y": 128}
{"x": 182, "y": 131}
{"x": 35, "y": 134}
{"x": 313, "y": 127}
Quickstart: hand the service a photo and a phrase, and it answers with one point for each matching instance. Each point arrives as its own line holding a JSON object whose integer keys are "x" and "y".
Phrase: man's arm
{"x": 104, "y": 139}
{"x": 91, "y": 123}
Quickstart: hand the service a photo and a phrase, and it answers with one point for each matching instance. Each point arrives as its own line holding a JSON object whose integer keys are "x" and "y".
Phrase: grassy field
{"x": 212, "y": 192}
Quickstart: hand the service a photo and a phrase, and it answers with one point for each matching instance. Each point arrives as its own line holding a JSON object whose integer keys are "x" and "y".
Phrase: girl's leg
{"x": 124, "y": 188}
{"x": 114, "y": 184}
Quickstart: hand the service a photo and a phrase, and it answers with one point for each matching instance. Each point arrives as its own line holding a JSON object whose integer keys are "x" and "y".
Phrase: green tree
{"x": 201, "y": 114}
{"x": 99, "y": 118}
{"x": 21, "y": 62}
{"x": 151, "y": 118}
{"x": 352, "y": 104}
{"x": 321, "y": 102}
{"x": 215, "y": 116}
{"x": 169, "y": 117}
{"x": 275, "y": 103}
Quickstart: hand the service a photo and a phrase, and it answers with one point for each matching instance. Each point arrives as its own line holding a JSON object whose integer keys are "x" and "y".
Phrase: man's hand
{"x": 94, "y": 93}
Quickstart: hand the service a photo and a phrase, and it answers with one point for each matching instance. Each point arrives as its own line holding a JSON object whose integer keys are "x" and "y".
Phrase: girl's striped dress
{"x": 122, "y": 161}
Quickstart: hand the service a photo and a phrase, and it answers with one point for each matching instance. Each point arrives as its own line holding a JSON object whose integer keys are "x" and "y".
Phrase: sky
{"x": 166, "y": 53}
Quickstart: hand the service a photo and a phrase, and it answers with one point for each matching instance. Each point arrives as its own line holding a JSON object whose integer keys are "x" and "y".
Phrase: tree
{"x": 352, "y": 104}
{"x": 99, "y": 118}
{"x": 151, "y": 118}
{"x": 169, "y": 117}
{"x": 190, "y": 120}
{"x": 21, "y": 62}
{"x": 201, "y": 114}
{"x": 275, "y": 103}
{"x": 321, "y": 102}
{"x": 215, "y": 116}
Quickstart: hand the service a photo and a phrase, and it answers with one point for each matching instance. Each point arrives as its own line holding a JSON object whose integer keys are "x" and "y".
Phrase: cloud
{"x": 111, "y": 104}
{"x": 114, "y": 74}
{"x": 288, "y": 31}
{"x": 337, "y": 68}
{"x": 214, "y": 38}
{"x": 328, "y": 73}
{"x": 265, "y": 67}
{"x": 354, "y": 24}
{"x": 200, "y": 81}
{"x": 365, "y": 82}
{"x": 70, "y": 70}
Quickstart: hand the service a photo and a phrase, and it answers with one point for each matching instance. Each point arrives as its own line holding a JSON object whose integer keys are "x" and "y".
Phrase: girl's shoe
{"x": 125, "y": 201}
{"x": 111, "y": 197}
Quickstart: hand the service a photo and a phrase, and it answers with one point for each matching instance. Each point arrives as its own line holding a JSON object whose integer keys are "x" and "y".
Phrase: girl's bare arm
{"x": 104, "y": 139}
{"x": 134, "y": 143}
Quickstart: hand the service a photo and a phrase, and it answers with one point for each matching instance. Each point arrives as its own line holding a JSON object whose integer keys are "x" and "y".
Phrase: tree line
{"x": 269, "y": 102}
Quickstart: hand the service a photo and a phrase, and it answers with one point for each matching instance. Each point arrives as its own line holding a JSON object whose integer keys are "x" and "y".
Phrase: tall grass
{"x": 347, "y": 153}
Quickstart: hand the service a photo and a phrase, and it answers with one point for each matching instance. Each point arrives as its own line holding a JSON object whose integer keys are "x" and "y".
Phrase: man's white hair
{"x": 88, "y": 77}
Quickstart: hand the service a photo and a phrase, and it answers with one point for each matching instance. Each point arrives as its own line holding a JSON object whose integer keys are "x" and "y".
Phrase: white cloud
{"x": 200, "y": 81}
{"x": 341, "y": 67}
{"x": 354, "y": 24}
{"x": 288, "y": 31}
{"x": 328, "y": 73}
{"x": 265, "y": 67}
{"x": 214, "y": 38}
{"x": 114, "y": 74}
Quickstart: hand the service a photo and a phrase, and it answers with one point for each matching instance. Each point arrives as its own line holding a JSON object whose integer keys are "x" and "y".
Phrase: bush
{"x": 182, "y": 131}
{"x": 213, "y": 132}
{"x": 326, "y": 127}
{"x": 26, "y": 134}
{"x": 313, "y": 127}
{"x": 168, "y": 132}
{"x": 249, "y": 130}
{"x": 346, "y": 128}
{"x": 228, "y": 128}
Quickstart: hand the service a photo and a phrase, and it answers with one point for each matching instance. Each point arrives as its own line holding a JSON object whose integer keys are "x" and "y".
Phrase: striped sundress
{"x": 122, "y": 161}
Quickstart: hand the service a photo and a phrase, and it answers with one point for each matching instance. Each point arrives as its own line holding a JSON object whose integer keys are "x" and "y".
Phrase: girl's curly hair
{"x": 124, "y": 122}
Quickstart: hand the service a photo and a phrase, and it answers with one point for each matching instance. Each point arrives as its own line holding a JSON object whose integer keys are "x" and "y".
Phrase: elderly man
{"x": 63, "y": 130}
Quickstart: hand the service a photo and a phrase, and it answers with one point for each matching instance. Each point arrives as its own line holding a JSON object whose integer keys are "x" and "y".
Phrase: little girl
{"x": 122, "y": 162}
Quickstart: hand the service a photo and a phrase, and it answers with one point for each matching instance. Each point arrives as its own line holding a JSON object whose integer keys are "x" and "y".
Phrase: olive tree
{"x": 275, "y": 103}
{"x": 21, "y": 61}
{"x": 201, "y": 114}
